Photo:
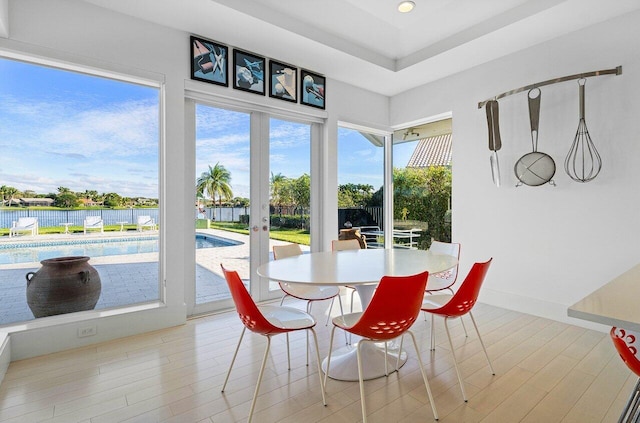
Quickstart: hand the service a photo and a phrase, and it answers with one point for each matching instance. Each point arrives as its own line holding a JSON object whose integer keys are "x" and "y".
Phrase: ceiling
{"x": 368, "y": 43}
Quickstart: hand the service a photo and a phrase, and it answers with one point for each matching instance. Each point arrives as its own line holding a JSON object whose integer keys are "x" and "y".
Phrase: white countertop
{"x": 615, "y": 304}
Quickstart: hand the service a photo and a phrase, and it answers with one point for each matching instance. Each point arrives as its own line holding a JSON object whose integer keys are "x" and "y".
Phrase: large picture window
{"x": 78, "y": 178}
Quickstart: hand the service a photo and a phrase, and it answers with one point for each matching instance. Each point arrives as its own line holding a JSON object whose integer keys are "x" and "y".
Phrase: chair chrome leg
{"x": 346, "y": 338}
{"x": 315, "y": 341}
{"x": 455, "y": 361}
{"x": 361, "y": 381}
{"x": 326, "y": 372}
{"x": 482, "y": 343}
{"x": 399, "y": 353}
{"x": 353, "y": 292}
{"x": 628, "y": 414}
{"x": 233, "y": 360}
{"x": 424, "y": 376}
{"x": 433, "y": 333}
{"x": 386, "y": 360}
{"x": 634, "y": 414}
{"x": 288, "y": 353}
{"x": 331, "y": 308}
{"x": 309, "y": 304}
{"x": 255, "y": 393}
{"x": 466, "y": 335}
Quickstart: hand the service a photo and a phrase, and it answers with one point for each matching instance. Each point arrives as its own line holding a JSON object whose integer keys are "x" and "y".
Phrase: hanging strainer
{"x": 583, "y": 162}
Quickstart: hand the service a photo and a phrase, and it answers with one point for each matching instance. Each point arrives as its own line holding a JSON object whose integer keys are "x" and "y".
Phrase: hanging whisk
{"x": 583, "y": 162}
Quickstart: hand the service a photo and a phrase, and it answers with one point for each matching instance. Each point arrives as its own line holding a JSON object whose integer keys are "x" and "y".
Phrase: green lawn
{"x": 298, "y": 236}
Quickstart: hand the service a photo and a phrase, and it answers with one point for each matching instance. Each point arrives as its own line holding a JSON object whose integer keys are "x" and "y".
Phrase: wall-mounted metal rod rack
{"x": 615, "y": 71}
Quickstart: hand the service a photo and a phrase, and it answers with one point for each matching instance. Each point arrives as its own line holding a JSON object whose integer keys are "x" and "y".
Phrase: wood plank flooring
{"x": 545, "y": 372}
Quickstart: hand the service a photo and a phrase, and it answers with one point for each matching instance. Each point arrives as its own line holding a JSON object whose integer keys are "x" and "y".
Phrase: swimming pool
{"x": 11, "y": 253}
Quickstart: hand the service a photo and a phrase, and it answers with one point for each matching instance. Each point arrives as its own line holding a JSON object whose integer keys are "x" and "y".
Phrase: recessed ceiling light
{"x": 406, "y": 6}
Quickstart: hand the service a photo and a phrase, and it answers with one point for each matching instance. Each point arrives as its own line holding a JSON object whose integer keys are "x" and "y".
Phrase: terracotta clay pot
{"x": 63, "y": 285}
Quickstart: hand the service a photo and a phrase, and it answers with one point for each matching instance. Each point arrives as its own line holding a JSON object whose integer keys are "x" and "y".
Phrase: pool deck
{"x": 116, "y": 272}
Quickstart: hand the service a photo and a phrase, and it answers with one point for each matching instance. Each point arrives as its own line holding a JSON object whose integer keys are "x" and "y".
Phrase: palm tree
{"x": 8, "y": 194}
{"x": 276, "y": 181}
{"x": 215, "y": 182}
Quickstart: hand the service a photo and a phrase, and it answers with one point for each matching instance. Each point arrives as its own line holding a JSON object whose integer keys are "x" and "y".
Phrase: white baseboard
{"x": 536, "y": 307}
{"x": 5, "y": 354}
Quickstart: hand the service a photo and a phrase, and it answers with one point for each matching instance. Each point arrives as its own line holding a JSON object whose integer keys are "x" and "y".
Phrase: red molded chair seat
{"x": 394, "y": 307}
{"x": 627, "y": 344}
{"x": 267, "y": 321}
{"x": 459, "y": 304}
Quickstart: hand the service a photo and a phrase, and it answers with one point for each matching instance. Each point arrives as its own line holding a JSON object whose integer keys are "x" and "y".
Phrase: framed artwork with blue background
{"x": 312, "y": 89}
{"x": 248, "y": 72}
{"x": 283, "y": 81}
{"x": 210, "y": 61}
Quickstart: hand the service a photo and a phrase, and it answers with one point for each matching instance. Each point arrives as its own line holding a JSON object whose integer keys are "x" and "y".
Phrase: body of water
{"x": 38, "y": 251}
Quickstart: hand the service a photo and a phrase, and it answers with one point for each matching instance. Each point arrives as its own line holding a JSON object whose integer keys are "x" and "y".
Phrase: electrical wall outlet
{"x": 87, "y": 331}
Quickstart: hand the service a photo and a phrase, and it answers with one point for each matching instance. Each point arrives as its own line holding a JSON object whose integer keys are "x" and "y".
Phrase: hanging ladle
{"x": 535, "y": 168}
{"x": 583, "y": 162}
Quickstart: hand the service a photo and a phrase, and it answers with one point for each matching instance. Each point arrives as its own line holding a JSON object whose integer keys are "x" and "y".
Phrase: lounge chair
{"x": 146, "y": 222}
{"x": 93, "y": 222}
{"x": 24, "y": 224}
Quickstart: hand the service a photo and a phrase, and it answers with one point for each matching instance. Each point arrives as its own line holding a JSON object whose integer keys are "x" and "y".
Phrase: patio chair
{"x": 93, "y": 222}
{"x": 146, "y": 222}
{"x": 24, "y": 224}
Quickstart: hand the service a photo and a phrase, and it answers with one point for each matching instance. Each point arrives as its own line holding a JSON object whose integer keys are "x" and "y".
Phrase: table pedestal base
{"x": 344, "y": 362}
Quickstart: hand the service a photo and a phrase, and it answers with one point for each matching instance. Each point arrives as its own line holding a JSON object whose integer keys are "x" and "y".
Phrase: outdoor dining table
{"x": 362, "y": 269}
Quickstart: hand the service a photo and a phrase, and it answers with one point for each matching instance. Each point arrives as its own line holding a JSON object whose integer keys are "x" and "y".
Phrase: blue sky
{"x": 223, "y": 137}
{"x": 60, "y": 128}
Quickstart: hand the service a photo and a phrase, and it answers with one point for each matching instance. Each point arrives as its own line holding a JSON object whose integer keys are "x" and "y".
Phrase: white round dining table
{"x": 362, "y": 269}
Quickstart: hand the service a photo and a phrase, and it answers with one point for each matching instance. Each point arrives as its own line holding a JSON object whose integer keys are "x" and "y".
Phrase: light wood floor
{"x": 545, "y": 372}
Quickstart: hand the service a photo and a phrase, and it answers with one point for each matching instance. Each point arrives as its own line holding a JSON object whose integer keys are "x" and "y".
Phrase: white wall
{"x": 551, "y": 245}
{"x": 81, "y": 33}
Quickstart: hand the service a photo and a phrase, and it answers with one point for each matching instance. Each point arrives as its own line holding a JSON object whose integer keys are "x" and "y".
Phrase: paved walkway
{"x": 127, "y": 279}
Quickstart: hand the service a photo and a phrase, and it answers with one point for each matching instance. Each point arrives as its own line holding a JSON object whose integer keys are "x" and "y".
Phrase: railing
{"x": 50, "y": 218}
{"x": 402, "y": 238}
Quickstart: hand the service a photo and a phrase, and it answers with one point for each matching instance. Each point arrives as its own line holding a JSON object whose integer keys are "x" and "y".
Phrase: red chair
{"x": 267, "y": 321}
{"x": 395, "y": 306}
{"x": 457, "y": 305}
{"x": 626, "y": 344}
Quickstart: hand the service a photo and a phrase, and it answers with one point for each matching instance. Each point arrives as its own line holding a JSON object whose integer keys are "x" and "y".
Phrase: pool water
{"x": 38, "y": 251}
